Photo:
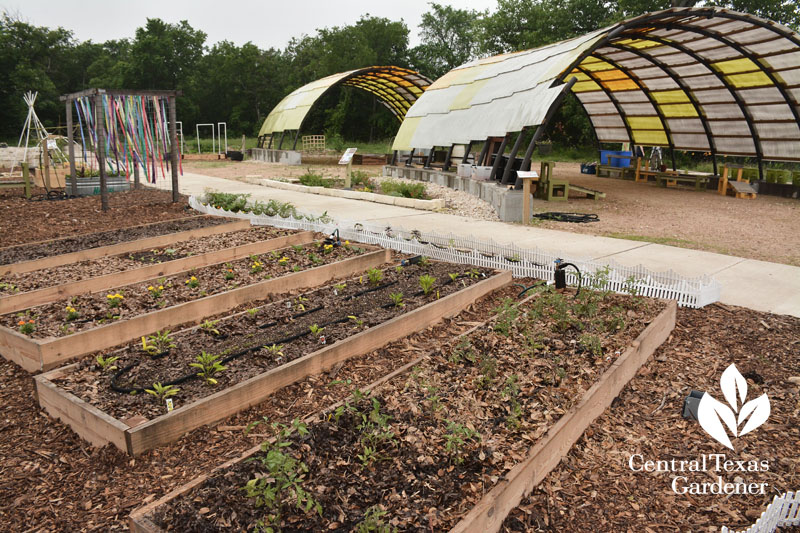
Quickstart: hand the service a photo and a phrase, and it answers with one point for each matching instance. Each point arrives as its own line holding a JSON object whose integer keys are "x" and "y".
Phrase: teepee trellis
{"x": 32, "y": 123}
{"x": 126, "y": 131}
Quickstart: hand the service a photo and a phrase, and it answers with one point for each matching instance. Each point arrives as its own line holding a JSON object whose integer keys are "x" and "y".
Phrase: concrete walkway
{"x": 749, "y": 283}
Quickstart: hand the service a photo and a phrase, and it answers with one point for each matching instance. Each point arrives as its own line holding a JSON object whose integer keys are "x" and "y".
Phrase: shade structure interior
{"x": 395, "y": 87}
{"x": 693, "y": 79}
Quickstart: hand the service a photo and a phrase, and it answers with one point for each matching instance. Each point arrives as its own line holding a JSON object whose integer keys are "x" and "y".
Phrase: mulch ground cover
{"x": 53, "y": 481}
{"x": 258, "y": 340}
{"x": 422, "y": 450}
{"x": 84, "y": 312}
{"x": 46, "y": 220}
{"x": 28, "y": 252}
{"x": 594, "y": 488}
{"x": 38, "y": 279}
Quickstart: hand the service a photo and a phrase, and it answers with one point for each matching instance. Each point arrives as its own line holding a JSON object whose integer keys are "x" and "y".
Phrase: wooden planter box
{"x": 489, "y": 513}
{"x": 18, "y": 302}
{"x": 99, "y": 428}
{"x": 43, "y": 354}
{"x": 121, "y": 248}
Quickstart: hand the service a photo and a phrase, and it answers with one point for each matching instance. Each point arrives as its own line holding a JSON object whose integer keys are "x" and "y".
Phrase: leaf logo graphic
{"x": 718, "y": 419}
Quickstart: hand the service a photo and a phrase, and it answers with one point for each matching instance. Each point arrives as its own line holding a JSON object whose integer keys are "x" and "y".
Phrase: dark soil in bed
{"x": 244, "y": 341}
{"x": 427, "y": 446}
{"x": 66, "y": 245}
{"x": 39, "y": 279}
{"x": 126, "y": 302}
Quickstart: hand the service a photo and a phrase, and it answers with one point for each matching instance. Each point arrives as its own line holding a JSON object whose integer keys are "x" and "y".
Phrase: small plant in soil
{"x": 210, "y": 327}
{"x": 507, "y": 313}
{"x": 192, "y": 282}
{"x": 424, "y": 261}
{"x": 9, "y": 287}
{"x": 26, "y": 327}
{"x": 453, "y": 276}
{"x": 296, "y": 268}
{"x": 158, "y": 343}
{"x": 592, "y": 344}
{"x": 375, "y": 275}
{"x": 398, "y": 269}
{"x": 375, "y": 433}
{"x": 426, "y": 283}
{"x": 463, "y": 351}
{"x": 106, "y": 364}
{"x": 229, "y": 273}
{"x": 275, "y": 350}
{"x": 283, "y": 261}
{"x": 316, "y": 330}
{"x": 114, "y": 300}
{"x": 397, "y": 299}
{"x": 357, "y": 321}
{"x": 72, "y": 314}
{"x": 282, "y": 484}
{"x": 487, "y": 365}
{"x": 155, "y": 291}
{"x": 208, "y": 366}
{"x": 373, "y": 522}
{"x": 616, "y": 320}
{"x": 511, "y": 391}
{"x": 473, "y": 273}
{"x": 339, "y": 287}
{"x": 314, "y": 258}
{"x": 326, "y": 249}
{"x": 297, "y": 247}
{"x": 457, "y": 438}
{"x": 161, "y": 392}
{"x": 256, "y": 267}
{"x": 252, "y": 312}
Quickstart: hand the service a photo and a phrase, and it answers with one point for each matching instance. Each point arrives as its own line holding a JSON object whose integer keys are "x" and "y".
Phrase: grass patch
{"x": 404, "y": 190}
{"x": 312, "y": 179}
{"x": 669, "y": 241}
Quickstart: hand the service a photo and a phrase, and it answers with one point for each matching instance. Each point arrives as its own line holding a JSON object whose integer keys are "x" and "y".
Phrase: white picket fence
{"x": 536, "y": 263}
{"x": 783, "y": 511}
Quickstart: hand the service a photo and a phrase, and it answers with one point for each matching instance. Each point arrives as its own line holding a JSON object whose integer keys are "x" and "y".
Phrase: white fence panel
{"x": 783, "y": 511}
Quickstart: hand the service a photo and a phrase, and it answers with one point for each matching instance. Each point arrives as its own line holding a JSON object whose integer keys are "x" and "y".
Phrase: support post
{"x": 26, "y": 178}
{"x": 512, "y": 157}
{"x": 714, "y": 162}
{"x": 446, "y": 166}
{"x": 296, "y": 136}
{"x": 500, "y": 152}
{"x": 672, "y": 155}
{"x": 136, "y": 163}
{"x": 99, "y": 122}
{"x": 429, "y": 158}
{"x": 71, "y": 151}
{"x": 45, "y": 165}
{"x": 269, "y": 146}
{"x": 484, "y": 151}
{"x": 760, "y": 169}
{"x": 466, "y": 153}
{"x": 173, "y": 135}
{"x": 526, "y": 161}
{"x": 410, "y": 158}
{"x": 394, "y": 158}
{"x": 280, "y": 143}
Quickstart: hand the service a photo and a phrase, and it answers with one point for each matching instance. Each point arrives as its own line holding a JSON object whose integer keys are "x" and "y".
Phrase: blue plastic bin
{"x": 607, "y": 158}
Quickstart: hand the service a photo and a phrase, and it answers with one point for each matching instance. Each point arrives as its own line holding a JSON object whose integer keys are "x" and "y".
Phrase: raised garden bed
{"x": 47, "y": 254}
{"x": 264, "y": 349}
{"x": 43, "y": 354}
{"x": 161, "y": 262}
{"x": 425, "y": 448}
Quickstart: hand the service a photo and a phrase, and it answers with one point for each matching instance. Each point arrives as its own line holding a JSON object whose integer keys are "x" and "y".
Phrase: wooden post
{"x": 446, "y": 165}
{"x": 500, "y": 152}
{"x": 26, "y": 178}
{"x": 45, "y": 165}
{"x": 243, "y": 143}
{"x": 173, "y": 135}
{"x": 99, "y": 122}
{"x": 136, "y": 163}
{"x": 71, "y": 151}
{"x": 512, "y": 157}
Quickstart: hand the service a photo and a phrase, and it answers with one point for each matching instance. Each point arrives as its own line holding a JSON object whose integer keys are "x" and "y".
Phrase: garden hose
{"x": 578, "y": 218}
{"x": 526, "y": 289}
{"x": 561, "y": 275}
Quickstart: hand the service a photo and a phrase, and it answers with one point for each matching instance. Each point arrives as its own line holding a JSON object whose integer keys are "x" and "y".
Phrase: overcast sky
{"x": 264, "y": 22}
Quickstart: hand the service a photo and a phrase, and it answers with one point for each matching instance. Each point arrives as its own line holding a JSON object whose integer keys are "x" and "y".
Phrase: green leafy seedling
{"x": 106, "y": 364}
{"x": 162, "y": 391}
{"x": 208, "y": 366}
{"x": 426, "y": 283}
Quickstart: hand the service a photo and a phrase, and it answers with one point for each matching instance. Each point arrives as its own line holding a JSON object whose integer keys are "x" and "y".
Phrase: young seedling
{"x": 316, "y": 330}
{"x": 507, "y": 313}
{"x": 72, "y": 314}
{"x": 375, "y": 275}
{"x": 229, "y": 273}
{"x": 275, "y": 350}
{"x": 106, "y": 364}
{"x": 256, "y": 267}
{"x": 314, "y": 258}
{"x": 592, "y": 344}
{"x": 327, "y": 248}
{"x": 297, "y": 247}
{"x": 399, "y": 269}
{"x": 9, "y": 287}
{"x": 114, "y": 300}
{"x": 296, "y": 268}
{"x": 283, "y": 261}
{"x": 473, "y": 273}
{"x": 397, "y": 299}
{"x": 453, "y": 276}
{"x": 282, "y": 479}
{"x": 192, "y": 282}
{"x": 157, "y": 343}
{"x": 511, "y": 391}
{"x": 208, "y": 366}
{"x": 252, "y": 312}
{"x": 155, "y": 291}
{"x": 373, "y": 522}
{"x": 424, "y": 261}
{"x": 463, "y": 350}
{"x": 161, "y": 392}
{"x": 210, "y": 326}
{"x": 26, "y": 327}
{"x": 488, "y": 368}
{"x": 457, "y": 437}
{"x": 375, "y": 431}
{"x": 426, "y": 283}
{"x": 357, "y": 321}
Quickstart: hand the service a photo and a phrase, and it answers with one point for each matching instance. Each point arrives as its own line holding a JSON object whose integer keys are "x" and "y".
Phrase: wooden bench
{"x": 699, "y": 182}
{"x": 618, "y": 172}
{"x": 739, "y": 187}
{"x": 25, "y": 183}
{"x": 590, "y": 193}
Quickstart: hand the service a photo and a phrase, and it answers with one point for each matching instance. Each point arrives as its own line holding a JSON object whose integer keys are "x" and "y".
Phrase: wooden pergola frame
{"x": 98, "y": 94}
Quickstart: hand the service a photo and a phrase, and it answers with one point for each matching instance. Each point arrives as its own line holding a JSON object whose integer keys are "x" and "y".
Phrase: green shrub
{"x": 227, "y": 201}
{"x": 403, "y": 189}
{"x": 359, "y": 178}
{"x": 796, "y": 178}
{"x": 749, "y": 174}
{"x": 312, "y": 179}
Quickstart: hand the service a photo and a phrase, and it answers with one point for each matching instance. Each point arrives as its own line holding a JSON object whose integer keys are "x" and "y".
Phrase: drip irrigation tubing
{"x": 578, "y": 218}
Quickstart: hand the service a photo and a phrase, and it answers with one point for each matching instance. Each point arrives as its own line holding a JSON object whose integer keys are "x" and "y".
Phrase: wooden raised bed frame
{"x": 99, "y": 428}
{"x": 24, "y": 300}
{"x": 489, "y": 513}
{"x": 44, "y": 354}
{"x": 121, "y": 248}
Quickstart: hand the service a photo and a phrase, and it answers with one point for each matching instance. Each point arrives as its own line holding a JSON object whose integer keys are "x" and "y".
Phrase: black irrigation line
{"x": 253, "y": 349}
{"x": 581, "y": 218}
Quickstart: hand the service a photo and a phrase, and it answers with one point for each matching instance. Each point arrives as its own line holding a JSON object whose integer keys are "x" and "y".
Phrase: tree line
{"x": 223, "y": 82}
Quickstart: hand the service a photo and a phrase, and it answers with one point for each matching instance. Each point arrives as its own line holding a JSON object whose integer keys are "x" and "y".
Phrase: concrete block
{"x": 464, "y": 170}
{"x": 510, "y": 206}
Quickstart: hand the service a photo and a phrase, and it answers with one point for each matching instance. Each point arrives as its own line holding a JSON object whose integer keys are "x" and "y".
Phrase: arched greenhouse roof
{"x": 694, "y": 79}
{"x": 395, "y": 87}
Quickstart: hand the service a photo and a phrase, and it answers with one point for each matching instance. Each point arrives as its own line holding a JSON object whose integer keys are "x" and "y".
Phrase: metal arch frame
{"x": 712, "y": 145}
{"x": 749, "y": 55}
{"x": 633, "y": 77}
{"x": 613, "y": 100}
{"x": 382, "y": 95}
{"x": 737, "y": 99}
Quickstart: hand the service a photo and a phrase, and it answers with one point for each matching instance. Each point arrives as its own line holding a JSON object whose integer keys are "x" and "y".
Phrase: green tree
{"x": 449, "y": 38}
